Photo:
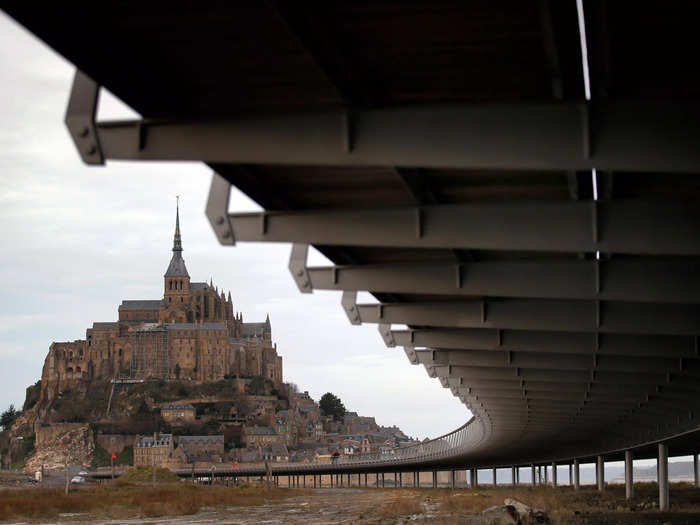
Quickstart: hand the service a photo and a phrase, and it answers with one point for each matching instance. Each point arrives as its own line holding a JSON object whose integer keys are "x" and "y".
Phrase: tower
{"x": 176, "y": 279}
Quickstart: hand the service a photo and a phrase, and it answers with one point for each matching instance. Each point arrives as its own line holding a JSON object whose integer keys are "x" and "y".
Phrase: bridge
{"x": 516, "y": 182}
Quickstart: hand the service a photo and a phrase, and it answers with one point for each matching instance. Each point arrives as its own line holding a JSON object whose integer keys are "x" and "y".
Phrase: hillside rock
{"x": 61, "y": 443}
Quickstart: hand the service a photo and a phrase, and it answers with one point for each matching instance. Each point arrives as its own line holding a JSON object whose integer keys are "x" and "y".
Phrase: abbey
{"x": 191, "y": 333}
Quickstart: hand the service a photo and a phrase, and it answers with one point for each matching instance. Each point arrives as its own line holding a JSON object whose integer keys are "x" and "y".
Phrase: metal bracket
{"x": 349, "y": 303}
{"x": 411, "y": 354}
{"x": 444, "y": 382}
{"x": 431, "y": 370}
{"x": 297, "y": 266}
{"x": 217, "y": 209}
{"x": 80, "y": 118}
{"x": 387, "y": 335}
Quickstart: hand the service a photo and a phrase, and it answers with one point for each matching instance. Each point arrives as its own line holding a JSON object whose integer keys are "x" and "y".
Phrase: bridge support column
{"x": 495, "y": 481}
{"x": 629, "y": 475}
{"x": 696, "y": 471}
{"x": 534, "y": 477}
{"x": 663, "y": 477}
{"x": 571, "y": 475}
{"x": 365, "y": 479}
{"x": 382, "y": 479}
{"x": 600, "y": 473}
{"x": 416, "y": 479}
{"x": 513, "y": 476}
{"x": 474, "y": 478}
{"x": 349, "y": 480}
{"x": 546, "y": 477}
{"x": 554, "y": 474}
{"x": 400, "y": 479}
{"x": 577, "y": 475}
{"x": 452, "y": 479}
{"x": 435, "y": 479}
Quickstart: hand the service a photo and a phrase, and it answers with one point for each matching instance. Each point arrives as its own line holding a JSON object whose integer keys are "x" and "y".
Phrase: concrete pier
{"x": 663, "y": 477}
{"x": 629, "y": 475}
{"x": 600, "y": 473}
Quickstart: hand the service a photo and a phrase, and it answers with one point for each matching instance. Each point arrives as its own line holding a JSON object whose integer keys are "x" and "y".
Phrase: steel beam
{"x": 638, "y": 136}
{"x": 557, "y": 376}
{"x": 674, "y": 281}
{"x": 549, "y": 342}
{"x": 537, "y": 314}
{"x": 547, "y": 361}
{"x": 627, "y": 227}
{"x": 80, "y": 118}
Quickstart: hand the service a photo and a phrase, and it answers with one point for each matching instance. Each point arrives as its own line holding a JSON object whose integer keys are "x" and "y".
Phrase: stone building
{"x": 153, "y": 450}
{"x": 191, "y": 333}
{"x": 176, "y": 413}
{"x": 255, "y": 437}
{"x": 202, "y": 448}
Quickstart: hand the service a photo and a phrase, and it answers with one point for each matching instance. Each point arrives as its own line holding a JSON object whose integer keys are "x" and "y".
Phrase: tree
{"x": 331, "y": 405}
{"x": 8, "y": 417}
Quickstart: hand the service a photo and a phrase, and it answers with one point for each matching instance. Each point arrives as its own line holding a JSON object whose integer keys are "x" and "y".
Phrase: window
{"x": 120, "y": 352}
{"x": 170, "y": 285}
{"x": 182, "y": 299}
{"x": 170, "y": 299}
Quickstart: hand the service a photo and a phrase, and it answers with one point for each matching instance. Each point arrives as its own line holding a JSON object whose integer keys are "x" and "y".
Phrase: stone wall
{"x": 115, "y": 443}
{"x": 61, "y": 443}
{"x": 46, "y": 434}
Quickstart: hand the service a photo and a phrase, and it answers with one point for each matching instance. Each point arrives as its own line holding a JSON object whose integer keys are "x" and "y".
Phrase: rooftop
{"x": 105, "y": 326}
{"x": 141, "y": 305}
{"x": 259, "y": 431}
{"x": 177, "y": 406}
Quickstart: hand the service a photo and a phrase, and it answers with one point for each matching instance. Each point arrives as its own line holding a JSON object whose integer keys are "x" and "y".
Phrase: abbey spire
{"x": 177, "y": 267}
{"x": 177, "y": 240}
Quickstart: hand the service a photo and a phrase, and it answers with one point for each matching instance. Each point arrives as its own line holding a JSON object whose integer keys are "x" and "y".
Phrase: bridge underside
{"x": 542, "y": 248}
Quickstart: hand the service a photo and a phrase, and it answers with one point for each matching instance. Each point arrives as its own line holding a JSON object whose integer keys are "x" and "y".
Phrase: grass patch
{"x": 124, "y": 501}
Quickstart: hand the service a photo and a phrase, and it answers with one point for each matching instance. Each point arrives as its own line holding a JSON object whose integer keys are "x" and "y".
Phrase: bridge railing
{"x": 465, "y": 436}
{"x": 449, "y": 445}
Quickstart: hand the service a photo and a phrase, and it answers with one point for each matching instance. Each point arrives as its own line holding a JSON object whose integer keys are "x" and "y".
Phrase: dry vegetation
{"x": 361, "y": 506}
{"x": 122, "y": 501}
{"x": 407, "y": 504}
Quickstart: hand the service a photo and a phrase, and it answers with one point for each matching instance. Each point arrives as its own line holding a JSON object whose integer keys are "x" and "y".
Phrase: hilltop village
{"x": 179, "y": 381}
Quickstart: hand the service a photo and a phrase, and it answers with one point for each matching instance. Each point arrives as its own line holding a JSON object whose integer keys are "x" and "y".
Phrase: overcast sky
{"x": 77, "y": 240}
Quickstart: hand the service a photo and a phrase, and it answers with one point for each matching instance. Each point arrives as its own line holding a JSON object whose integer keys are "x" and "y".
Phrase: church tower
{"x": 176, "y": 297}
